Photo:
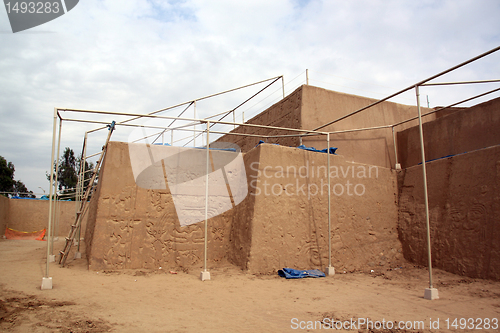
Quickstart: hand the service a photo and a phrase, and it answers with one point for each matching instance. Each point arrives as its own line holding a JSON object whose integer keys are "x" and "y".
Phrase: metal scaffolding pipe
{"x": 426, "y": 197}
{"x": 410, "y": 87}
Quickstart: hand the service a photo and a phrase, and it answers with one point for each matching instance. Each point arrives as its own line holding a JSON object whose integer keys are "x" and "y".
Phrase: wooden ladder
{"x": 84, "y": 203}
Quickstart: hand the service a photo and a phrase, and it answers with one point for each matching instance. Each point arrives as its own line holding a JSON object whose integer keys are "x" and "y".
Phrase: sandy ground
{"x": 157, "y": 301}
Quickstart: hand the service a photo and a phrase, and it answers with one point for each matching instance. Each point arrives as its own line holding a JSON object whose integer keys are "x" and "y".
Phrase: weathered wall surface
{"x": 32, "y": 215}
{"x": 289, "y": 225}
{"x": 462, "y": 131}
{"x": 4, "y": 214}
{"x": 320, "y": 106}
{"x": 282, "y": 222}
{"x": 138, "y": 228}
{"x": 464, "y": 199}
{"x": 285, "y": 113}
{"x": 309, "y": 107}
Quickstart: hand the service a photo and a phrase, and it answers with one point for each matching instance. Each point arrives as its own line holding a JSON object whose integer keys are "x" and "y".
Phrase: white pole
{"x": 205, "y": 275}
{"x": 330, "y": 270}
{"x": 430, "y": 293}
{"x": 47, "y": 281}
{"x": 194, "y": 126}
{"x": 54, "y": 211}
{"x": 307, "y": 77}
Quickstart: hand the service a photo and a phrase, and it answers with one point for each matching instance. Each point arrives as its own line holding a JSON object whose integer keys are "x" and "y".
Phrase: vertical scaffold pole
{"x": 430, "y": 293}
{"x": 55, "y": 204}
{"x": 283, "y": 84}
{"x": 329, "y": 270}
{"x": 205, "y": 275}
{"x": 46, "y": 280}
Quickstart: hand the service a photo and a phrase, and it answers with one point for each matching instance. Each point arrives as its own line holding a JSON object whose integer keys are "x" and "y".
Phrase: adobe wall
{"x": 285, "y": 113}
{"x": 309, "y": 107}
{"x": 464, "y": 213}
{"x": 32, "y": 215}
{"x": 320, "y": 106}
{"x": 459, "y": 132}
{"x": 133, "y": 227}
{"x": 289, "y": 226}
{"x": 4, "y": 214}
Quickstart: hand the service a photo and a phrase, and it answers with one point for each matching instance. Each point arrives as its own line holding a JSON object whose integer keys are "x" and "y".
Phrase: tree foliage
{"x": 8, "y": 183}
{"x": 67, "y": 172}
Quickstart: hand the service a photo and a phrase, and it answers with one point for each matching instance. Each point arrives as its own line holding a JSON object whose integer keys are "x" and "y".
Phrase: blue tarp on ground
{"x": 291, "y": 273}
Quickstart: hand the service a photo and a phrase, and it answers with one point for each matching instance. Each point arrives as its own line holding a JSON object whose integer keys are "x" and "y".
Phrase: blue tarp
{"x": 291, "y": 273}
{"x": 332, "y": 149}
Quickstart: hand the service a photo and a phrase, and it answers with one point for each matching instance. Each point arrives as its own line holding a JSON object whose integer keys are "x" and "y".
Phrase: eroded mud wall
{"x": 464, "y": 200}
{"x": 459, "y": 132}
{"x": 290, "y": 218}
{"x": 135, "y": 227}
{"x": 4, "y": 214}
{"x": 285, "y": 113}
{"x": 320, "y": 106}
{"x": 33, "y": 215}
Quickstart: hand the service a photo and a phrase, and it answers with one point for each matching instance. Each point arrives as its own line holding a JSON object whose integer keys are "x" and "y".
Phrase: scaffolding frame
{"x": 430, "y": 293}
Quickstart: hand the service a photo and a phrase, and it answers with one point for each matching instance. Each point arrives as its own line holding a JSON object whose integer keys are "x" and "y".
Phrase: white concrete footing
{"x": 78, "y": 255}
{"x": 431, "y": 294}
{"x": 329, "y": 271}
{"x": 52, "y": 257}
{"x": 46, "y": 283}
{"x": 204, "y": 276}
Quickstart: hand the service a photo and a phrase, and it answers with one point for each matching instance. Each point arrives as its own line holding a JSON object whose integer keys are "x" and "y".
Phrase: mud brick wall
{"x": 4, "y": 214}
{"x": 462, "y": 131}
{"x": 132, "y": 227}
{"x": 33, "y": 215}
{"x": 289, "y": 221}
{"x": 285, "y": 113}
{"x": 464, "y": 200}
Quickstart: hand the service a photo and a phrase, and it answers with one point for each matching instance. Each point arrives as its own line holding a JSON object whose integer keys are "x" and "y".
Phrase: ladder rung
{"x": 61, "y": 252}
{"x": 73, "y": 226}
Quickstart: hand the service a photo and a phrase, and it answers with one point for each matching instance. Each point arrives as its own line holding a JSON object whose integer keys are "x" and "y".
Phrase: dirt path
{"x": 157, "y": 301}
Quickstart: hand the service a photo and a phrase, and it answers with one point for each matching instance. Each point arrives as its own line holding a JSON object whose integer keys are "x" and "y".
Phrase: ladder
{"x": 84, "y": 203}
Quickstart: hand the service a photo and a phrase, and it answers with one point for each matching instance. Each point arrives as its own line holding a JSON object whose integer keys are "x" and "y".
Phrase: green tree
{"x": 67, "y": 173}
{"x": 9, "y": 184}
{"x": 6, "y": 176}
{"x": 22, "y": 191}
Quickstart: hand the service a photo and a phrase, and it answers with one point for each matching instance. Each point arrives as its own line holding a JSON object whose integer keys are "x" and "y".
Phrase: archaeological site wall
{"x": 32, "y": 215}
{"x": 462, "y": 131}
{"x": 4, "y": 214}
{"x": 464, "y": 205}
{"x": 309, "y": 107}
{"x": 282, "y": 221}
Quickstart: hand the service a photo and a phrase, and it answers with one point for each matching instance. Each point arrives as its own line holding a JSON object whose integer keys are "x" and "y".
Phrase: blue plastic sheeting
{"x": 161, "y": 144}
{"x": 291, "y": 273}
{"x": 17, "y": 197}
{"x": 331, "y": 149}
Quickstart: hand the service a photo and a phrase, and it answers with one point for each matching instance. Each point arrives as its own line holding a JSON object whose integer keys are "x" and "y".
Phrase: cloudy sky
{"x": 139, "y": 56}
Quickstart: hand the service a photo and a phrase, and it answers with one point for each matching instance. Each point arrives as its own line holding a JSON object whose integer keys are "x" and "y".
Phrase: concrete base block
{"x": 431, "y": 294}
{"x": 78, "y": 255}
{"x": 397, "y": 167}
{"x": 329, "y": 271}
{"x": 46, "y": 283}
{"x": 204, "y": 276}
{"x": 52, "y": 257}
